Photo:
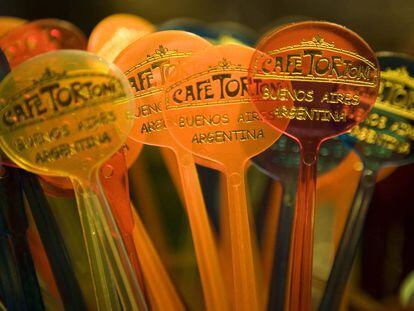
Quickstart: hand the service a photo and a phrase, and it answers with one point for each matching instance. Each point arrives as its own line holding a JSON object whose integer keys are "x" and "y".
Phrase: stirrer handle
{"x": 114, "y": 180}
{"x": 11, "y": 291}
{"x": 136, "y": 240}
{"x": 203, "y": 238}
{"x": 52, "y": 240}
{"x": 27, "y": 285}
{"x": 301, "y": 256}
{"x": 278, "y": 282}
{"x": 156, "y": 276}
{"x": 23, "y": 280}
{"x": 105, "y": 292}
{"x": 348, "y": 246}
{"x": 244, "y": 280}
{"x": 122, "y": 273}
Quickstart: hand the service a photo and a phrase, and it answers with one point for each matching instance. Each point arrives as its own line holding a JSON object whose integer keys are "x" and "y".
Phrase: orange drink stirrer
{"x": 115, "y": 32}
{"x": 209, "y": 113}
{"x": 8, "y": 23}
{"x": 148, "y": 63}
{"x": 114, "y": 177}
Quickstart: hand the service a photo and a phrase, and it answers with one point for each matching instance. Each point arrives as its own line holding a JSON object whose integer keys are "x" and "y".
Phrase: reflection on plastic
{"x": 7, "y": 23}
{"x": 34, "y": 38}
{"x": 323, "y": 78}
{"x": 64, "y": 113}
{"x": 148, "y": 64}
{"x": 384, "y": 139}
{"x": 115, "y": 32}
{"x": 281, "y": 163}
{"x": 209, "y": 113}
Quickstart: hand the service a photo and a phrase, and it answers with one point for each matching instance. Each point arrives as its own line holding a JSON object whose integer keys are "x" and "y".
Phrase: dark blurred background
{"x": 385, "y": 24}
{"x": 388, "y": 253}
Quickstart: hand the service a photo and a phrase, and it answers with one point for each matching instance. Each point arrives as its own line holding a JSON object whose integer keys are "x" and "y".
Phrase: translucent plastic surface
{"x": 209, "y": 113}
{"x": 384, "y": 139}
{"x": 148, "y": 64}
{"x": 65, "y": 113}
{"x": 40, "y": 36}
{"x": 116, "y": 32}
{"x": 324, "y": 79}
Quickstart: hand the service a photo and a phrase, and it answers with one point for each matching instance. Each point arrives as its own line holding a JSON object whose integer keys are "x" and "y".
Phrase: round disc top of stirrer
{"x": 115, "y": 32}
{"x": 148, "y": 64}
{"x": 386, "y": 136}
{"x": 64, "y": 113}
{"x": 38, "y": 37}
{"x": 117, "y": 24}
{"x": 328, "y": 72}
{"x": 7, "y": 23}
{"x": 209, "y": 108}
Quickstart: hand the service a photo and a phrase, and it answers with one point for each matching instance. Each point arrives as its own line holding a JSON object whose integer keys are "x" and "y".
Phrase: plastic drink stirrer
{"x": 64, "y": 113}
{"x": 281, "y": 162}
{"x": 209, "y": 113}
{"x": 115, "y": 170}
{"x": 112, "y": 35}
{"x": 7, "y": 23}
{"x": 119, "y": 31}
{"x": 384, "y": 139}
{"x": 23, "y": 43}
{"x": 38, "y": 37}
{"x": 114, "y": 177}
{"x": 19, "y": 285}
{"x": 218, "y": 33}
{"x": 142, "y": 253}
{"x": 147, "y": 63}
{"x": 123, "y": 34}
{"x": 207, "y": 177}
{"x": 331, "y": 77}
{"x": 115, "y": 32}
{"x": 107, "y": 40}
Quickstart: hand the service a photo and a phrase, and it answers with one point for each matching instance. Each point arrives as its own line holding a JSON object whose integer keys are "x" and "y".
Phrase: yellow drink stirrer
{"x": 65, "y": 113}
